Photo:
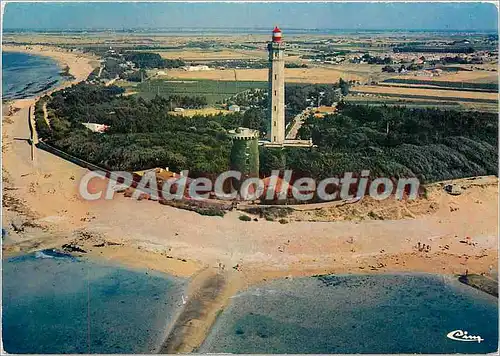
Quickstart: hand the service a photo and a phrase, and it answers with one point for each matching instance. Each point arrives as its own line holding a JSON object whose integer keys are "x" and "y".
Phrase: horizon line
{"x": 191, "y": 28}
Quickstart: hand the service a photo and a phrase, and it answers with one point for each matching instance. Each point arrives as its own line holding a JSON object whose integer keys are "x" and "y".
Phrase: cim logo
{"x": 459, "y": 335}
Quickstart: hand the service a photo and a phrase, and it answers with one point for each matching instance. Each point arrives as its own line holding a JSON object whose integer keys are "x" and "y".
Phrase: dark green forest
{"x": 431, "y": 144}
{"x": 142, "y": 134}
{"x": 152, "y": 60}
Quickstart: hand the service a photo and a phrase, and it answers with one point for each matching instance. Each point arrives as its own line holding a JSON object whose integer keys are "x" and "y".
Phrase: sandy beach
{"x": 80, "y": 65}
{"x": 43, "y": 209}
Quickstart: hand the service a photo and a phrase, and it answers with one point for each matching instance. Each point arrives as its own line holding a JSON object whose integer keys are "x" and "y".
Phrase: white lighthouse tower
{"x": 276, "y": 108}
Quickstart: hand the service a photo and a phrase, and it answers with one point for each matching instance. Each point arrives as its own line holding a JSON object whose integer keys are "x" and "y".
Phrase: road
{"x": 297, "y": 124}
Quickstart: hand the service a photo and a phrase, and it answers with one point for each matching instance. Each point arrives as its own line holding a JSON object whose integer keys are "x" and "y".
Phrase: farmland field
{"x": 199, "y": 54}
{"x": 475, "y": 76}
{"x": 435, "y": 94}
{"x": 293, "y": 75}
{"x": 214, "y": 90}
{"x": 477, "y": 87}
{"x": 422, "y": 103}
{"x": 398, "y": 101}
{"x": 441, "y": 83}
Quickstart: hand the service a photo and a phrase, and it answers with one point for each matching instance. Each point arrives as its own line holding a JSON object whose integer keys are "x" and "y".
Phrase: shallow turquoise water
{"x": 356, "y": 314}
{"x": 25, "y": 75}
{"x": 53, "y": 303}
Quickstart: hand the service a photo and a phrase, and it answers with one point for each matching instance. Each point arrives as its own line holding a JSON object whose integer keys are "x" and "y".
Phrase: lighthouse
{"x": 276, "y": 89}
{"x": 276, "y": 98}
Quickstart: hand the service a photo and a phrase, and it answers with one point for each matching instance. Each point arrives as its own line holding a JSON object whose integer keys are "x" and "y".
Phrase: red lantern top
{"x": 276, "y": 34}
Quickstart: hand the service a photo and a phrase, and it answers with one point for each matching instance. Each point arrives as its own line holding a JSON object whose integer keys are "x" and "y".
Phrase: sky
{"x": 358, "y": 16}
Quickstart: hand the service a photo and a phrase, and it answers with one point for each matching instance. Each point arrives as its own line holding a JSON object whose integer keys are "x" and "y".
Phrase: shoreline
{"x": 78, "y": 63}
{"x": 80, "y": 66}
{"x": 209, "y": 292}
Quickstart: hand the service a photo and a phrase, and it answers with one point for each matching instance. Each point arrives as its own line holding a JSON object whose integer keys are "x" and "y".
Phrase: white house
{"x": 234, "y": 108}
{"x": 100, "y": 128}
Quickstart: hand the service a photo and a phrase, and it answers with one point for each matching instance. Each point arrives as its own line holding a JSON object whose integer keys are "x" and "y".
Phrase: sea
{"x": 54, "y": 303}
{"x": 377, "y": 314}
{"x": 25, "y": 75}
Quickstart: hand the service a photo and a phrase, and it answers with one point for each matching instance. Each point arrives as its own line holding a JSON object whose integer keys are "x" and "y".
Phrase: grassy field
{"x": 214, "y": 90}
{"x": 491, "y": 107}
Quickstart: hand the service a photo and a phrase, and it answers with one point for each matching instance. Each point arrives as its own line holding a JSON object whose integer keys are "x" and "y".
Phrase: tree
{"x": 255, "y": 118}
{"x": 344, "y": 86}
